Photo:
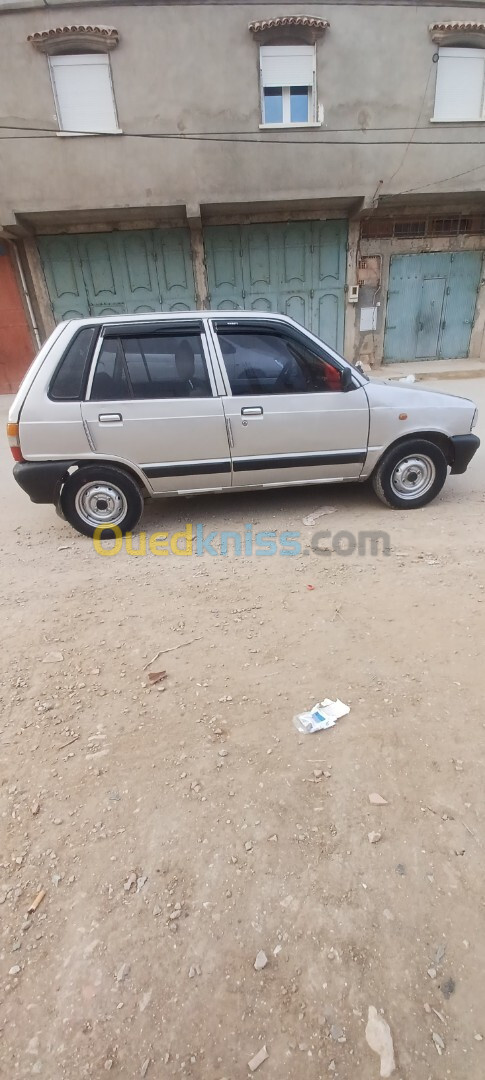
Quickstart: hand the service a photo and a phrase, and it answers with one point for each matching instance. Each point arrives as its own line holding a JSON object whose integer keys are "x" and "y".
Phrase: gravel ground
{"x": 181, "y": 828}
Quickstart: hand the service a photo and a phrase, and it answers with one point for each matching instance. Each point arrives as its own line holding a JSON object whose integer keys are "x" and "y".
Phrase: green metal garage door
{"x": 298, "y": 268}
{"x": 431, "y": 305}
{"x": 113, "y": 273}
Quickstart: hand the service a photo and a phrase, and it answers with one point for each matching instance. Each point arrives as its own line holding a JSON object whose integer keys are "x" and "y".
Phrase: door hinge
{"x": 243, "y": 294}
{"x": 312, "y": 293}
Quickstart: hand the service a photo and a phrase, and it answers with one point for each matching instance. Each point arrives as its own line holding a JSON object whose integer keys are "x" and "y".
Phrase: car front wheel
{"x": 101, "y": 498}
{"x": 410, "y": 475}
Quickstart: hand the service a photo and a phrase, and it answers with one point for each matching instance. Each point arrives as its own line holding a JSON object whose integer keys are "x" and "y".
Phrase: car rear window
{"x": 69, "y": 379}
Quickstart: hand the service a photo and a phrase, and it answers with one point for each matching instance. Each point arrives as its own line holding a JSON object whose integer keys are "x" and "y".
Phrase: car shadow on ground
{"x": 289, "y": 504}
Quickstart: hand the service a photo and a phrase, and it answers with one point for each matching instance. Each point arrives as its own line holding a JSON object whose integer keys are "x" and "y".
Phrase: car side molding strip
{"x": 288, "y": 461}
{"x": 291, "y": 461}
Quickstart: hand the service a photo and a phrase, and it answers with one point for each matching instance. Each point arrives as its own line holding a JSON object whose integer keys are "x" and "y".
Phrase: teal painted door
{"x": 298, "y": 269}
{"x": 431, "y": 305}
{"x": 114, "y": 273}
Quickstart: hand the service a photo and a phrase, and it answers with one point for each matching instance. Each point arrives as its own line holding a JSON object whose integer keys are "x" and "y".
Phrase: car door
{"x": 291, "y": 420}
{"x": 152, "y": 400}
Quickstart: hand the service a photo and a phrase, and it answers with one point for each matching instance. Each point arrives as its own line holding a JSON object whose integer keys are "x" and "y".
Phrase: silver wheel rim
{"x": 413, "y": 476}
{"x": 101, "y": 504}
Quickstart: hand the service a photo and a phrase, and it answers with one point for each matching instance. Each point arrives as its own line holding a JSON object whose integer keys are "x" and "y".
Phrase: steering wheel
{"x": 283, "y": 381}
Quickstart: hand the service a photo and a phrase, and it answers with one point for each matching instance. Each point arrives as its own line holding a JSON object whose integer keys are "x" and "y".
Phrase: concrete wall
{"x": 194, "y": 68}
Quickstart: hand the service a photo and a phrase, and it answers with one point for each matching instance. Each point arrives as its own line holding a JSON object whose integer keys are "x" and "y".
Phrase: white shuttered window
{"x": 83, "y": 92}
{"x": 288, "y": 91}
{"x": 460, "y": 84}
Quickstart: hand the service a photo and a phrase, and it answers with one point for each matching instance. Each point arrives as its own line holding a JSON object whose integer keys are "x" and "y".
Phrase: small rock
{"x": 34, "y": 809}
{"x": 438, "y": 1041}
{"x": 336, "y": 1033}
{"x": 332, "y": 1066}
{"x": 374, "y": 837}
{"x": 248, "y": 845}
{"x": 258, "y": 1059}
{"x": 53, "y": 658}
{"x": 439, "y": 955}
{"x": 145, "y": 1067}
{"x": 57, "y": 821}
{"x": 175, "y": 914}
{"x": 130, "y": 881}
{"x": 223, "y": 753}
{"x": 432, "y": 972}
{"x": 157, "y": 910}
{"x": 332, "y": 954}
{"x": 478, "y": 1037}
{"x": 14, "y": 970}
{"x": 16, "y": 946}
{"x": 427, "y": 1008}
{"x": 194, "y": 970}
{"x": 400, "y": 869}
{"x": 377, "y": 800}
{"x": 122, "y": 972}
{"x": 317, "y": 773}
{"x": 140, "y": 882}
{"x": 379, "y": 1038}
{"x": 108, "y": 1064}
{"x": 260, "y": 961}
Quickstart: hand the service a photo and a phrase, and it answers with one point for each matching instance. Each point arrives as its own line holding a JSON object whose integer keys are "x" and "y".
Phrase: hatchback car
{"x": 117, "y": 410}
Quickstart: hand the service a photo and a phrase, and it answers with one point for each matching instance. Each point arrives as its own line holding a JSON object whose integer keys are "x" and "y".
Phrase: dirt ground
{"x": 182, "y": 827}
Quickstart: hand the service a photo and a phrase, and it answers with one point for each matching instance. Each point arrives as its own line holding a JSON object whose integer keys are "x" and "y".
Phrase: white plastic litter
{"x": 323, "y": 715}
{"x": 407, "y": 379}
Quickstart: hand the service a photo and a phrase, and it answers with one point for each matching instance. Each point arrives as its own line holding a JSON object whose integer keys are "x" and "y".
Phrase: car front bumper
{"x": 464, "y": 446}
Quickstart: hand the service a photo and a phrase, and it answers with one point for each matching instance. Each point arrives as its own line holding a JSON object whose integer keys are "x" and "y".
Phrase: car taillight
{"x": 14, "y": 441}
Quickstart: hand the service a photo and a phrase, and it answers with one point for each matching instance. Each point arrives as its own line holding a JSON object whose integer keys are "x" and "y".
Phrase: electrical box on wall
{"x": 353, "y": 294}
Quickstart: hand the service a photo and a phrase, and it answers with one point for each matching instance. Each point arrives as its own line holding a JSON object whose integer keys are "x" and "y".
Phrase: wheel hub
{"x": 413, "y": 476}
{"x": 101, "y": 504}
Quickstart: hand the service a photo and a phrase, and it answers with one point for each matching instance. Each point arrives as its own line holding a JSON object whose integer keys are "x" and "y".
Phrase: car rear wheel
{"x": 411, "y": 475}
{"x": 101, "y": 498}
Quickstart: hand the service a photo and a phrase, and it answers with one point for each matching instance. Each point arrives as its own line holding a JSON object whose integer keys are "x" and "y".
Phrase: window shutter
{"x": 83, "y": 91}
{"x": 460, "y": 84}
{"x": 287, "y": 65}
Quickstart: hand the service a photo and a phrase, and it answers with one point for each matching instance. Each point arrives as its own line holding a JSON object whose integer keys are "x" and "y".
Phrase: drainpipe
{"x": 27, "y": 297}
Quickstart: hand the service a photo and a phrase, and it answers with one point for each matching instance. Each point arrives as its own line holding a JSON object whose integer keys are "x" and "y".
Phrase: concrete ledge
{"x": 432, "y": 369}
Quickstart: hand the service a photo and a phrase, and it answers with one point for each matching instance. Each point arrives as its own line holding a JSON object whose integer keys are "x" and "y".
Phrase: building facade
{"x": 324, "y": 160}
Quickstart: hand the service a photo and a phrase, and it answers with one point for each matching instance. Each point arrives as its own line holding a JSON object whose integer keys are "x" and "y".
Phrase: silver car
{"x": 116, "y": 410}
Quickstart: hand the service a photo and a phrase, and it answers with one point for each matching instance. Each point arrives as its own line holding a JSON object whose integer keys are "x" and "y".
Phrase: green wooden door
{"x": 298, "y": 269}
{"x": 115, "y": 273}
{"x": 431, "y": 305}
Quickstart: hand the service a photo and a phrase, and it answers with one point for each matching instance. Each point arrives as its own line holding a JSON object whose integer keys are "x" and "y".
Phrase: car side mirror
{"x": 347, "y": 380}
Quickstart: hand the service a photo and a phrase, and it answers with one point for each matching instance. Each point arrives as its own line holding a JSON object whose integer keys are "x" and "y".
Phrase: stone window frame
{"x": 290, "y": 30}
{"x": 458, "y": 35}
{"x": 78, "y": 39}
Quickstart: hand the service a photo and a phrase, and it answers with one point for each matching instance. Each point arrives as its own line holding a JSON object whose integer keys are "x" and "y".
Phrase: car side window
{"x": 167, "y": 365}
{"x": 267, "y": 362}
{"x": 69, "y": 379}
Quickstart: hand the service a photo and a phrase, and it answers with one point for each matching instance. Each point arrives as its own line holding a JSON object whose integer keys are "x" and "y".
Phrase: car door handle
{"x": 110, "y": 417}
{"x": 252, "y": 410}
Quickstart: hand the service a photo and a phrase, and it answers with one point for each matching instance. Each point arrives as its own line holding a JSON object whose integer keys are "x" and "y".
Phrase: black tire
{"x": 100, "y": 496}
{"x": 410, "y": 475}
